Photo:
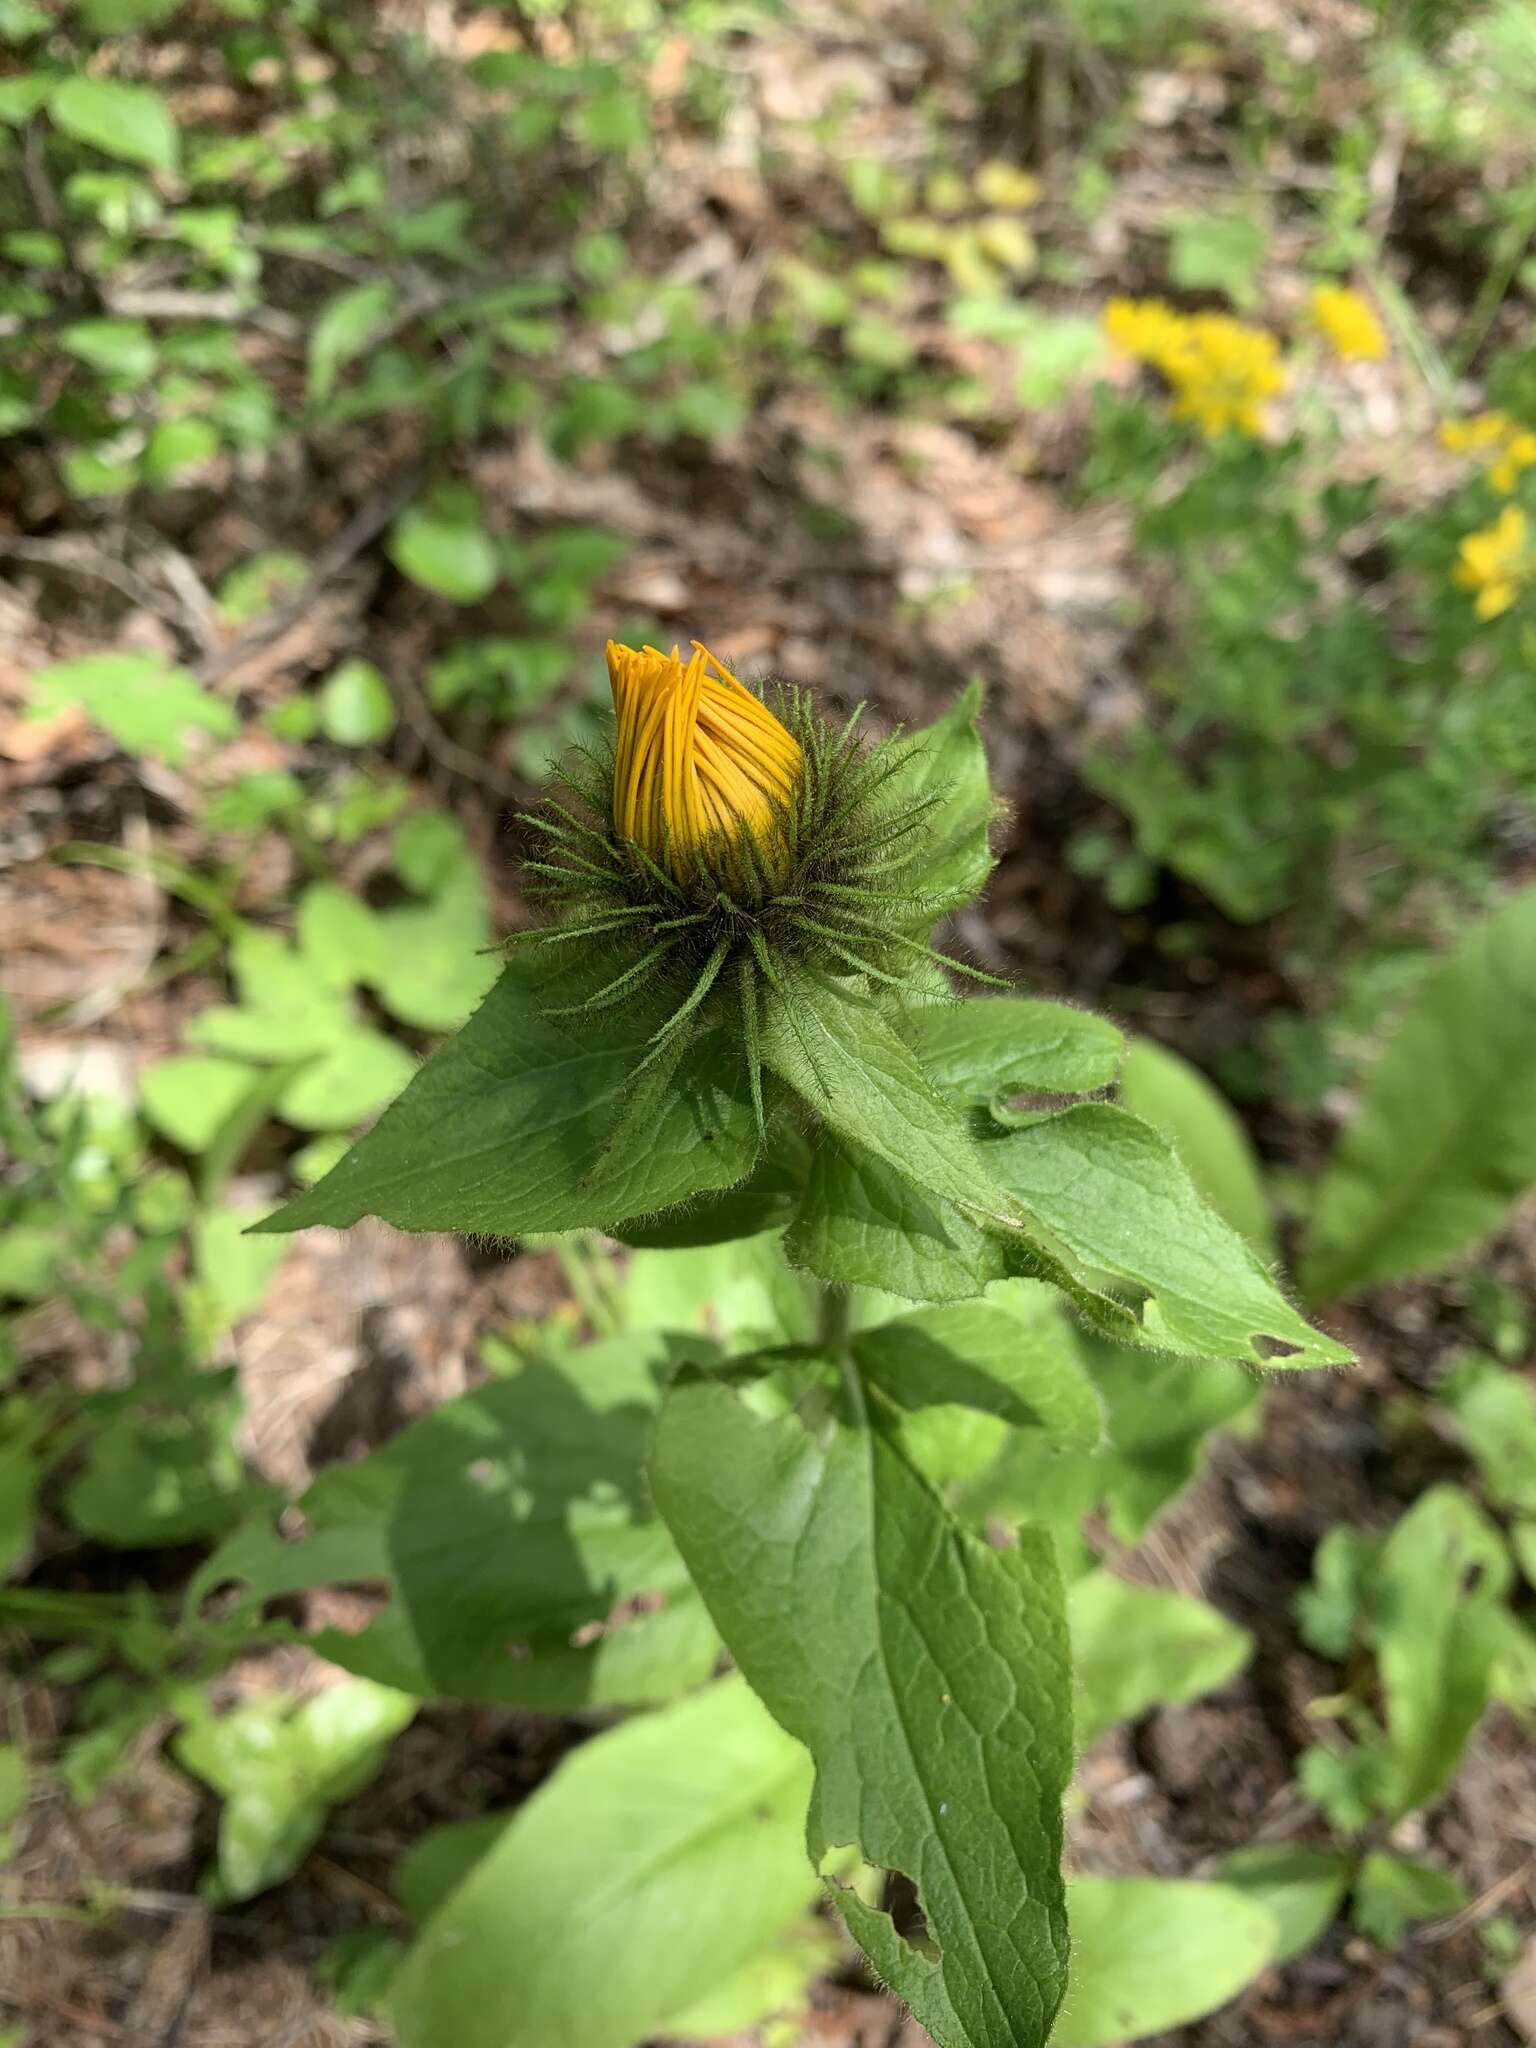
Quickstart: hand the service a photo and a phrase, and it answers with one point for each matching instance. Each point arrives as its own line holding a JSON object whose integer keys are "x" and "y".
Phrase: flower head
{"x": 1498, "y": 562}
{"x": 701, "y": 766}
{"x": 1221, "y": 369}
{"x": 1347, "y": 321}
{"x": 1502, "y": 443}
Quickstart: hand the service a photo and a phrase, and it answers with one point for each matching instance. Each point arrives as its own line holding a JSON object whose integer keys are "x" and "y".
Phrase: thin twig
{"x": 364, "y": 527}
{"x": 77, "y": 555}
{"x": 447, "y": 752}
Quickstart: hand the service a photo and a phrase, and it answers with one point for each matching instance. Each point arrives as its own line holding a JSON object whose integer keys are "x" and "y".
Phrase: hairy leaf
{"x": 861, "y": 1223}
{"x": 990, "y": 1046}
{"x": 506, "y": 1130}
{"x": 925, "y": 1671}
{"x": 1110, "y": 1191}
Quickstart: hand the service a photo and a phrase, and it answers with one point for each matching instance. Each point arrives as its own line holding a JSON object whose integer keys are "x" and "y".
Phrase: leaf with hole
{"x": 925, "y": 1671}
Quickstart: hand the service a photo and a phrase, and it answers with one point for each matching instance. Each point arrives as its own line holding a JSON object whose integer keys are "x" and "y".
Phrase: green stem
{"x": 834, "y": 1318}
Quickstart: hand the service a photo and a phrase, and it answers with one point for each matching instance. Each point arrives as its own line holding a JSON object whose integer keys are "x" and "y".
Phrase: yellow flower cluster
{"x": 1222, "y": 370}
{"x": 701, "y": 764}
{"x": 1494, "y": 438}
{"x": 1347, "y": 321}
{"x": 1498, "y": 562}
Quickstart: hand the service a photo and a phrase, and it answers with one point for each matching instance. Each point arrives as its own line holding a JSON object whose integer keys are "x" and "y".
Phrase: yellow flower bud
{"x": 701, "y": 765}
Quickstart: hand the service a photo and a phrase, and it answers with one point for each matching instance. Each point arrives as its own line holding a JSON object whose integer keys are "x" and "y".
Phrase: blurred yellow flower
{"x": 701, "y": 764}
{"x": 1508, "y": 448}
{"x": 1221, "y": 369}
{"x": 1144, "y": 328}
{"x": 1347, "y": 321}
{"x": 1497, "y": 562}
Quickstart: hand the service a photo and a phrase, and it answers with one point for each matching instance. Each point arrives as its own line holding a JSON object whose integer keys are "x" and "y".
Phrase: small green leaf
{"x": 145, "y": 704}
{"x": 280, "y": 1767}
{"x": 20, "y": 97}
{"x": 1392, "y": 1892}
{"x": 1303, "y": 1888}
{"x": 175, "y": 446}
{"x": 447, "y": 552}
{"x": 341, "y": 936}
{"x": 126, "y": 121}
{"x": 1444, "y": 1138}
{"x": 356, "y": 706}
{"x": 655, "y": 1863}
{"x": 1135, "y": 1647}
{"x": 925, "y": 1671}
{"x": 345, "y": 326}
{"x": 359, "y": 1073}
{"x": 122, "y": 349}
{"x": 1176, "y": 1099}
{"x": 506, "y": 1130}
{"x": 1217, "y": 251}
{"x": 1495, "y": 1414}
{"x": 1150, "y": 1953}
{"x": 190, "y": 1098}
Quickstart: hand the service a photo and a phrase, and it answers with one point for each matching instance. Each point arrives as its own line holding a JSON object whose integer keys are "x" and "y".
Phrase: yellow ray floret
{"x": 700, "y": 762}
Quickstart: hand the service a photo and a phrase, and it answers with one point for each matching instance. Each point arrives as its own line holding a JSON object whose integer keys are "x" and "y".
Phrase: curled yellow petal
{"x": 701, "y": 764}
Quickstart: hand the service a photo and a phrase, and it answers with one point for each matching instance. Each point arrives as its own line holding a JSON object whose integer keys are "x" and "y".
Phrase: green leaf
{"x": 341, "y": 936}
{"x": 447, "y": 552}
{"x": 165, "y": 1470}
{"x": 126, "y": 121}
{"x": 1436, "y": 1583}
{"x": 1162, "y": 1413}
{"x": 1176, "y": 1099}
{"x": 945, "y": 767}
{"x": 175, "y": 446}
{"x": 1149, "y": 1953}
{"x": 189, "y": 1098}
{"x": 964, "y": 1378}
{"x": 21, "y": 96}
{"x": 840, "y": 1056}
{"x": 765, "y": 1200}
{"x": 1108, "y": 1190}
{"x": 507, "y": 1528}
{"x": 140, "y": 699}
{"x": 507, "y": 1129}
{"x": 435, "y": 968}
{"x": 1392, "y": 1892}
{"x": 988, "y": 1047}
{"x": 861, "y": 1223}
{"x": 1495, "y": 1415}
{"x": 1220, "y": 252}
{"x": 122, "y": 349}
{"x": 280, "y": 1768}
{"x": 1135, "y": 1647}
{"x": 358, "y": 1074}
{"x": 655, "y": 1863}
{"x": 925, "y": 1671}
{"x": 232, "y": 1267}
{"x": 1303, "y": 1888}
{"x": 343, "y": 329}
{"x": 356, "y": 707}
{"x": 1444, "y": 1138}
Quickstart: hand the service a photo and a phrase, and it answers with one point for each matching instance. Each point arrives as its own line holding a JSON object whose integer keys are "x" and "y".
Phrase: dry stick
{"x": 79, "y": 556}
{"x": 365, "y": 525}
